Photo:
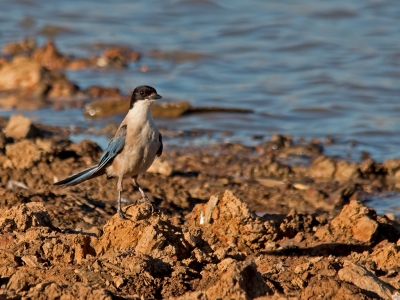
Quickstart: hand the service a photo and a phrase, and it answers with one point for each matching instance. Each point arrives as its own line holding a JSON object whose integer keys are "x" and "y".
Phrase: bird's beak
{"x": 155, "y": 96}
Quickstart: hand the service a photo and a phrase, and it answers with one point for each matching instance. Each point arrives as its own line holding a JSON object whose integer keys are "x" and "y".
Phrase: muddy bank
{"x": 35, "y": 156}
{"x": 233, "y": 221}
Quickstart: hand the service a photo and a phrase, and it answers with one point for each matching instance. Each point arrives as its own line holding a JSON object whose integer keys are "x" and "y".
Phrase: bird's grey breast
{"x": 142, "y": 144}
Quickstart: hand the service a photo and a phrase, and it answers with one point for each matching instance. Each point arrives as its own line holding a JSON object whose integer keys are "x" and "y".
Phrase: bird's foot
{"x": 121, "y": 214}
{"x": 146, "y": 200}
{"x": 143, "y": 200}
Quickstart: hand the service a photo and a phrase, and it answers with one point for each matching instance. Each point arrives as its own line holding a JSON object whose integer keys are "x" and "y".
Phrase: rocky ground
{"x": 278, "y": 221}
{"x": 210, "y": 236}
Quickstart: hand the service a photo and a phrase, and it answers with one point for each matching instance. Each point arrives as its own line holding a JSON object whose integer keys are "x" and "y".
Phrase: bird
{"x": 133, "y": 148}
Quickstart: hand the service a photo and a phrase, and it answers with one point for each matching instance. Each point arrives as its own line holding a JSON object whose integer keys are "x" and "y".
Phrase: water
{"x": 307, "y": 68}
{"x": 387, "y": 203}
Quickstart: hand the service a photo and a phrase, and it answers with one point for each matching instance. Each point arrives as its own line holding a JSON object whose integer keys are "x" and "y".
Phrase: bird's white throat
{"x": 141, "y": 110}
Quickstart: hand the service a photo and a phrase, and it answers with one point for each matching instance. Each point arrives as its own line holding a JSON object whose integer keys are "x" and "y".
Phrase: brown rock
{"x": 102, "y": 92}
{"x": 87, "y": 148}
{"x": 22, "y": 73}
{"x": 271, "y": 168}
{"x": 22, "y": 47}
{"x": 368, "y": 166}
{"x": 386, "y": 255}
{"x": 226, "y": 221}
{"x": 205, "y": 215}
{"x": 364, "y": 279}
{"x": 144, "y": 232}
{"x": 80, "y": 64}
{"x": 120, "y": 104}
{"x": 8, "y": 263}
{"x": 24, "y": 216}
{"x": 320, "y": 287}
{"x": 22, "y": 155}
{"x": 322, "y": 167}
{"x": 365, "y": 230}
{"x": 106, "y": 107}
{"x": 77, "y": 290}
{"x": 356, "y": 223}
{"x": 170, "y": 109}
{"x": 346, "y": 171}
{"x": 62, "y": 88}
{"x": 50, "y": 57}
{"x": 237, "y": 280}
{"x": 31, "y": 260}
{"x": 281, "y": 140}
{"x": 118, "y": 281}
{"x": 20, "y": 127}
{"x": 391, "y": 166}
{"x": 160, "y": 166}
{"x": 19, "y": 281}
{"x": 117, "y": 56}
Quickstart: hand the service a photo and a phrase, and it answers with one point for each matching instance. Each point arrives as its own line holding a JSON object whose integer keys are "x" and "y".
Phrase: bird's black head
{"x": 143, "y": 92}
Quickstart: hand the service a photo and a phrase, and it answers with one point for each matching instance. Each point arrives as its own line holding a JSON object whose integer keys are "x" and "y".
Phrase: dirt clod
{"x": 19, "y": 127}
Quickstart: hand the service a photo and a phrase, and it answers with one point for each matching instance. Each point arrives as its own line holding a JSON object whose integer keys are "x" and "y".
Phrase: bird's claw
{"x": 143, "y": 200}
{"x": 121, "y": 214}
{"x": 146, "y": 200}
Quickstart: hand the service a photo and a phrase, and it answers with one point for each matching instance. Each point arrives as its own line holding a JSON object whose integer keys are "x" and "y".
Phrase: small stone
{"x": 118, "y": 281}
{"x": 220, "y": 253}
{"x": 355, "y": 223}
{"x": 365, "y": 230}
{"x": 20, "y": 127}
{"x": 346, "y": 171}
{"x": 160, "y": 166}
{"x": 270, "y": 246}
{"x": 22, "y": 73}
{"x": 18, "y": 282}
{"x": 22, "y": 155}
{"x": 281, "y": 141}
{"x": 302, "y": 268}
{"x": 30, "y": 260}
{"x": 322, "y": 167}
{"x": 364, "y": 279}
{"x": 50, "y": 57}
{"x": 390, "y": 216}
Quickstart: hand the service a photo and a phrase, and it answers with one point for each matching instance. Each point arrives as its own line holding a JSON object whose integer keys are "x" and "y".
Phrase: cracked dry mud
{"x": 311, "y": 238}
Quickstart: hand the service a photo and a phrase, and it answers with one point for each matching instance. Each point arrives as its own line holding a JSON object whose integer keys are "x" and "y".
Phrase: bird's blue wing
{"x": 113, "y": 148}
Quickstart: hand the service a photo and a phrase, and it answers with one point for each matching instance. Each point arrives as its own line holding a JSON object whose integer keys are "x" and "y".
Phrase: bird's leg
{"x": 141, "y": 192}
{"x": 144, "y": 197}
{"x": 136, "y": 184}
{"x": 119, "y": 209}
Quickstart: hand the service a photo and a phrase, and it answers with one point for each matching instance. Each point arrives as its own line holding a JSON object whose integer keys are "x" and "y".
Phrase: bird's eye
{"x": 141, "y": 93}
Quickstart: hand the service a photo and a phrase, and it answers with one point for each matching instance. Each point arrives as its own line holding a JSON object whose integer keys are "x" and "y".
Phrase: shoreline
{"x": 310, "y": 232}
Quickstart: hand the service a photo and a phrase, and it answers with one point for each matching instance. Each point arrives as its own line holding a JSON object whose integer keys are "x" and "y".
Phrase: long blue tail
{"x": 81, "y": 176}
